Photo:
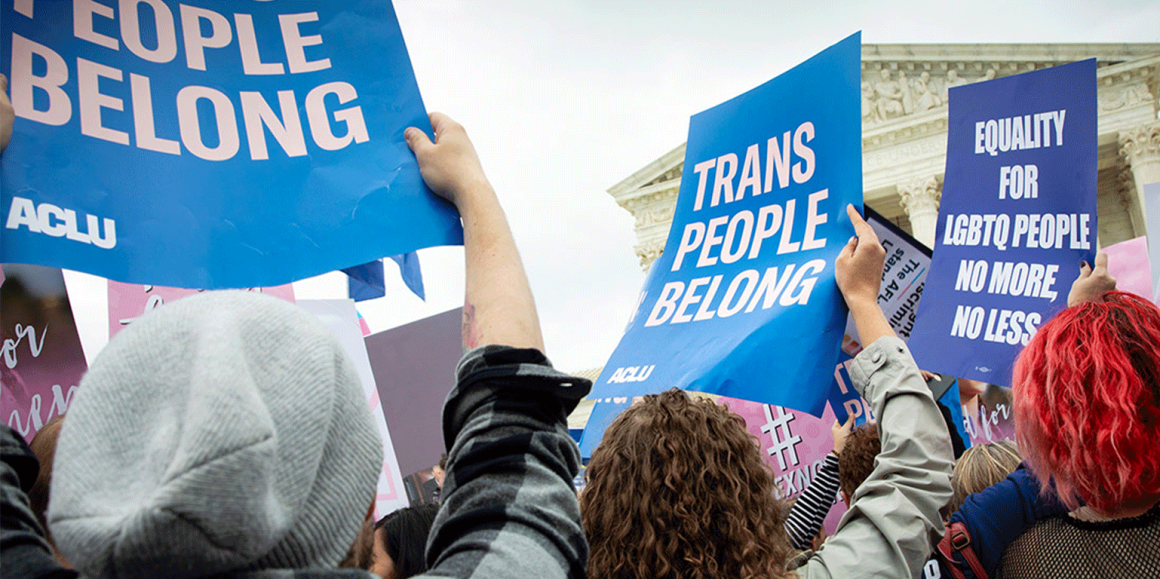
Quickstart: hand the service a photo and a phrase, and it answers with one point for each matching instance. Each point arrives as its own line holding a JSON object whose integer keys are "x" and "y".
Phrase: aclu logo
{"x": 631, "y": 374}
{"x": 48, "y": 219}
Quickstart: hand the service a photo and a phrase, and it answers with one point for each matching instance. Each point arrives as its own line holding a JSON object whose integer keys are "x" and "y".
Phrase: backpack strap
{"x": 958, "y": 540}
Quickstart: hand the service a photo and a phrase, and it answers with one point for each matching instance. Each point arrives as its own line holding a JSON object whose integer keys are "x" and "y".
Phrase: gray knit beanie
{"x": 223, "y": 432}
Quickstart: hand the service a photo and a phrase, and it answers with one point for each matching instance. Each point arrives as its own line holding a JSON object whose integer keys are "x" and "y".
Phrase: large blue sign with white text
{"x": 743, "y": 301}
{"x": 1018, "y": 215}
{"x": 211, "y": 144}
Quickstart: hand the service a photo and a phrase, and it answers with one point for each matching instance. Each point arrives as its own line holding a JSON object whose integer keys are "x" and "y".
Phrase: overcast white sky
{"x": 564, "y": 99}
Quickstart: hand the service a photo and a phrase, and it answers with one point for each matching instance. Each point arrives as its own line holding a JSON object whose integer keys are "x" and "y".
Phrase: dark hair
{"x": 405, "y": 538}
{"x": 678, "y": 489}
{"x": 1087, "y": 402}
{"x": 857, "y": 459}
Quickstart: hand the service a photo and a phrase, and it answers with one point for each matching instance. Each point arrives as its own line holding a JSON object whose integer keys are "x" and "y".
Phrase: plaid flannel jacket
{"x": 509, "y": 507}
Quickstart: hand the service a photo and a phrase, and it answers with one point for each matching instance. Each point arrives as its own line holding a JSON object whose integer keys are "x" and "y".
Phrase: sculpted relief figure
{"x": 868, "y": 109}
{"x": 953, "y": 80}
{"x": 926, "y": 98}
{"x": 907, "y": 93}
{"x": 889, "y": 97}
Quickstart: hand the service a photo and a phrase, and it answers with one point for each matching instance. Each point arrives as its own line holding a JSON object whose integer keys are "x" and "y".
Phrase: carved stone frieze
{"x": 1116, "y": 97}
{"x": 889, "y": 94}
{"x": 658, "y": 215}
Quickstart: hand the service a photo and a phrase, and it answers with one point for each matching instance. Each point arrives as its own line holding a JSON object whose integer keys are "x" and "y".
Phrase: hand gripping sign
{"x": 211, "y": 144}
{"x": 743, "y": 301}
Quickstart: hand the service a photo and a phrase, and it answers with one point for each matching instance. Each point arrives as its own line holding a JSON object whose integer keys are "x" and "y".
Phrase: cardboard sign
{"x": 342, "y": 319}
{"x": 1152, "y": 214}
{"x": 211, "y": 144}
{"x": 1129, "y": 263}
{"x": 414, "y": 368}
{"x": 743, "y": 301}
{"x": 1018, "y": 214}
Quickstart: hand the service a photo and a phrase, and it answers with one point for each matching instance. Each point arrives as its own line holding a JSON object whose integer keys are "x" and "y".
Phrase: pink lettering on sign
{"x": 41, "y": 362}
{"x": 128, "y": 301}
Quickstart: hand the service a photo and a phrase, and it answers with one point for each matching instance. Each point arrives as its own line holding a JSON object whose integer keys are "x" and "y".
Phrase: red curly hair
{"x": 678, "y": 489}
{"x": 1087, "y": 402}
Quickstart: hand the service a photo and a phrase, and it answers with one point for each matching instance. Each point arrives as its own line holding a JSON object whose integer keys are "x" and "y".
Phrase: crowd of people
{"x": 225, "y": 435}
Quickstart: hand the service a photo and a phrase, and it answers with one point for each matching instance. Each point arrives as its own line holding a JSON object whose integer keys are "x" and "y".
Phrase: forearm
{"x": 894, "y": 521}
{"x": 809, "y": 511}
{"x": 869, "y": 320}
{"x": 498, "y": 308}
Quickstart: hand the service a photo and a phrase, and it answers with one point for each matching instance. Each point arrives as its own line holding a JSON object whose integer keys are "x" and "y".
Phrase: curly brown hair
{"x": 857, "y": 459}
{"x": 678, "y": 489}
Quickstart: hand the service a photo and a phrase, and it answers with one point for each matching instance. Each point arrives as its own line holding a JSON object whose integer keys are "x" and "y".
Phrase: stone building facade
{"x": 904, "y": 134}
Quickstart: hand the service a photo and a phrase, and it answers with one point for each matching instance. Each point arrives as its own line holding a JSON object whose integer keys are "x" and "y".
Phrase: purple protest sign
{"x": 43, "y": 359}
{"x": 129, "y": 301}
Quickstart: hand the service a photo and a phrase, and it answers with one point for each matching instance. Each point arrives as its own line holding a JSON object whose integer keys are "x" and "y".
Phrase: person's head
{"x": 857, "y": 459}
{"x": 225, "y": 431}
{"x": 43, "y": 445}
{"x": 1087, "y": 402}
{"x": 677, "y": 488}
{"x": 400, "y": 542}
{"x": 981, "y": 466}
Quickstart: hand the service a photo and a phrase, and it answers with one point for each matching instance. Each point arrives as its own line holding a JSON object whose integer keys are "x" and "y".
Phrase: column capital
{"x": 648, "y": 253}
{"x": 1141, "y": 144}
{"x": 920, "y": 195}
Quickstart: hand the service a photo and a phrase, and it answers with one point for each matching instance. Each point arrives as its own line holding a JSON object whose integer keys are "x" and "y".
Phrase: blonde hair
{"x": 981, "y": 466}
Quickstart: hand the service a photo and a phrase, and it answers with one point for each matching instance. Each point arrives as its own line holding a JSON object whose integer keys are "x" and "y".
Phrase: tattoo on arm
{"x": 470, "y": 332}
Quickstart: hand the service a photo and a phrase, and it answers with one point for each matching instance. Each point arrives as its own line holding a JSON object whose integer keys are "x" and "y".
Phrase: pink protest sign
{"x": 128, "y": 301}
{"x": 794, "y": 443}
{"x": 42, "y": 357}
{"x": 1128, "y": 263}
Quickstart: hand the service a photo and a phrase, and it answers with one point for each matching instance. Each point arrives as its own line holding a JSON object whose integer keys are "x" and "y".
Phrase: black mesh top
{"x": 1068, "y": 547}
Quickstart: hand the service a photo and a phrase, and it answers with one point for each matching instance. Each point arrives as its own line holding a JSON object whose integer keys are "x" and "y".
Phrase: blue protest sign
{"x": 743, "y": 302}
{"x": 1018, "y": 214}
{"x": 211, "y": 144}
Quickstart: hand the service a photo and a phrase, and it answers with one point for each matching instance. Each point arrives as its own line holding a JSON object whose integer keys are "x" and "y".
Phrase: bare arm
{"x": 499, "y": 308}
{"x": 858, "y": 270}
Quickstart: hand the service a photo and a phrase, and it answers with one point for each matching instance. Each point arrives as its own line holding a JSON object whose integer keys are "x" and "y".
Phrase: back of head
{"x": 981, "y": 466}
{"x": 404, "y": 538}
{"x": 677, "y": 488}
{"x": 1087, "y": 401}
{"x": 223, "y": 432}
{"x": 857, "y": 459}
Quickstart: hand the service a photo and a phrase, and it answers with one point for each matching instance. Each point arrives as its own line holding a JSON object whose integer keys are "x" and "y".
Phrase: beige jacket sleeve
{"x": 893, "y": 523}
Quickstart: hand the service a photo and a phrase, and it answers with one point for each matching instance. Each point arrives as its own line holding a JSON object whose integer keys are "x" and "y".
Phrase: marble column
{"x": 920, "y": 198}
{"x": 1140, "y": 147}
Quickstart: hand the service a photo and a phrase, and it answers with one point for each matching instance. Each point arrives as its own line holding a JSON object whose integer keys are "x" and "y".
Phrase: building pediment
{"x": 904, "y": 91}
